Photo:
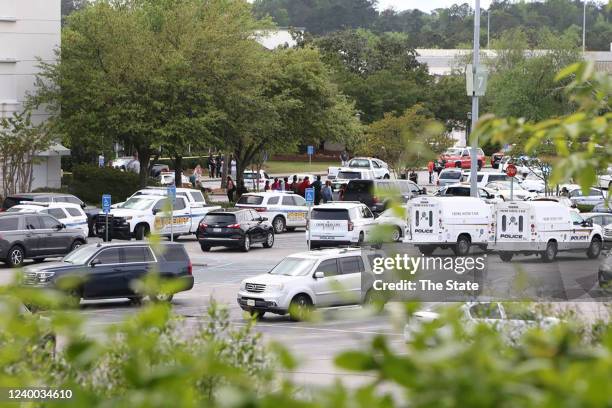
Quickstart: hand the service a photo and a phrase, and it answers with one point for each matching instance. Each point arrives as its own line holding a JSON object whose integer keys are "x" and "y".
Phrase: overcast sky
{"x": 426, "y": 5}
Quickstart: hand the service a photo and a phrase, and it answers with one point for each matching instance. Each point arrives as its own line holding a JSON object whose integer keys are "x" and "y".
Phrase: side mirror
{"x": 423, "y": 191}
{"x": 83, "y": 205}
{"x": 263, "y": 218}
{"x": 376, "y": 215}
{"x": 60, "y": 227}
{"x": 95, "y": 262}
{"x": 155, "y": 211}
{"x": 587, "y": 223}
{"x": 319, "y": 275}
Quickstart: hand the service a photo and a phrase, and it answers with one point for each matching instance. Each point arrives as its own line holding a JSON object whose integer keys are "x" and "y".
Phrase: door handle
{"x": 28, "y": 235}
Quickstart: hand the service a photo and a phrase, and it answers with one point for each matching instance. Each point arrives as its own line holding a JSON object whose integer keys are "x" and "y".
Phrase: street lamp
{"x": 584, "y": 27}
{"x": 475, "y": 63}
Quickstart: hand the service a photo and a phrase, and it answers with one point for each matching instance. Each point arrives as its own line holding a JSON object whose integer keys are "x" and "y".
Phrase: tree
{"x": 20, "y": 140}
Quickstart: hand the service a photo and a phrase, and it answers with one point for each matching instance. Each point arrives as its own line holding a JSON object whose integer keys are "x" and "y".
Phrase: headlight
{"x": 129, "y": 217}
{"x": 45, "y": 276}
{"x": 275, "y": 287}
{"x": 243, "y": 285}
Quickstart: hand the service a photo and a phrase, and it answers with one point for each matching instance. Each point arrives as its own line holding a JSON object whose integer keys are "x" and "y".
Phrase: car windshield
{"x": 293, "y": 267}
{"x": 349, "y": 175}
{"x": 578, "y": 193}
{"x": 18, "y": 209}
{"x": 250, "y": 199}
{"x": 452, "y": 175}
{"x": 360, "y": 163}
{"x": 252, "y": 176}
{"x": 453, "y": 152}
{"x": 81, "y": 255}
{"x": 138, "y": 203}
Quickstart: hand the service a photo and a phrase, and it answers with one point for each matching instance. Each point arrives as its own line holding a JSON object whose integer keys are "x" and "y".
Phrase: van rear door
{"x": 424, "y": 220}
{"x": 512, "y": 223}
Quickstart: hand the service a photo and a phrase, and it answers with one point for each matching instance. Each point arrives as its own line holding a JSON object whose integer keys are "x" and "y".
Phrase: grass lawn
{"x": 287, "y": 167}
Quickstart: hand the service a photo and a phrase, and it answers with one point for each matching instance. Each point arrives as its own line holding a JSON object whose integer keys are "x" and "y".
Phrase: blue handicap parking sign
{"x": 310, "y": 150}
{"x": 106, "y": 203}
{"x": 310, "y": 195}
{"x": 172, "y": 193}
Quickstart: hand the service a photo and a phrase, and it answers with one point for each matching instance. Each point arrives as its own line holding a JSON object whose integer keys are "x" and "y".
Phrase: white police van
{"x": 340, "y": 223}
{"x": 71, "y": 215}
{"x": 285, "y": 210}
{"x": 142, "y": 215}
{"x": 449, "y": 222}
{"x": 543, "y": 228}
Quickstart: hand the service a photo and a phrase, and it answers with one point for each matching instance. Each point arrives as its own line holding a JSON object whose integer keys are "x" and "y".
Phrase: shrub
{"x": 90, "y": 182}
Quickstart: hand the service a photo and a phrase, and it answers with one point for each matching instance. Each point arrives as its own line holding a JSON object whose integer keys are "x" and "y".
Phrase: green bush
{"x": 90, "y": 182}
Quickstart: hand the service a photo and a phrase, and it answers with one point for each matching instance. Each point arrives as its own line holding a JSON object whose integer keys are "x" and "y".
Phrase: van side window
{"x": 273, "y": 200}
{"x": 504, "y": 223}
{"x": 520, "y": 223}
{"x": 416, "y": 218}
{"x": 431, "y": 218}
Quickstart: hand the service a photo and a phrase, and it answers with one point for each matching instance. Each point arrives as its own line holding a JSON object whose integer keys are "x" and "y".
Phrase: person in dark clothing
{"x": 413, "y": 176}
{"x": 285, "y": 186}
{"x": 316, "y": 185}
{"x": 219, "y": 165}
{"x": 294, "y": 185}
{"x": 303, "y": 186}
{"x": 231, "y": 188}
{"x": 210, "y": 163}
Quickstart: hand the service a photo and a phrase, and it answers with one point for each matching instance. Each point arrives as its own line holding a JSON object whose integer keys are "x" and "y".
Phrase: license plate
{"x": 216, "y": 229}
{"x": 250, "y": 302}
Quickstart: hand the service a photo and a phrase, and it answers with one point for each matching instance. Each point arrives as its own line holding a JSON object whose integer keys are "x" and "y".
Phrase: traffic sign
{"x": 106, "y": 203}
{"x": 309, "y": 195}
{"x": 476, "y": 80}
{"x": 310, "y": 150}
{"x": 172, "y": 194}
{"x": 511, "y": 170}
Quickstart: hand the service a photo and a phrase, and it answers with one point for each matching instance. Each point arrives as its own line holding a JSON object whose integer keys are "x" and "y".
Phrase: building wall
{"x": 28, "y": 29}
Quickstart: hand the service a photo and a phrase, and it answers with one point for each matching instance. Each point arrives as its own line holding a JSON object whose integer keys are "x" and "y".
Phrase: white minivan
{"x": 449, "y": 222}
{"x": 544, "y": 228}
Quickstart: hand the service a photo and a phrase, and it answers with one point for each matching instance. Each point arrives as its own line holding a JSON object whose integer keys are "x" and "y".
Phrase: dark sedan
{"x": 235, "y": 227}
{"x": 103, "y": 271}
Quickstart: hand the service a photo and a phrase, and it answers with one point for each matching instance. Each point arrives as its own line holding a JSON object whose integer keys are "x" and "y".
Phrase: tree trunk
{"x": 178, "y": 170}
{"x": 241, "y": 189}
{"x": 144, "y": 157}
{"x": 225, "y": 170}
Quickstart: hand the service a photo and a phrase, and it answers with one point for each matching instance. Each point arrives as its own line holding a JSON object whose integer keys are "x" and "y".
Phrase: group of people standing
{"x": 323, "y": 191}
{"x": 214, "y": 165}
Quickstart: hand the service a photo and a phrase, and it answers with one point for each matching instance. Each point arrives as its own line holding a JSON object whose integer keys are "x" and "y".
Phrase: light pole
{"x": 489, "y": 28}
{"x": 584, "y": 27}
{"x": 475, "y": 63}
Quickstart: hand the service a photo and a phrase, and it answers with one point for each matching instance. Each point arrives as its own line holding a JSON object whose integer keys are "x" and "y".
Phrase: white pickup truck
{"x": 379, "y": 168}
{"x": 141, "y": 215}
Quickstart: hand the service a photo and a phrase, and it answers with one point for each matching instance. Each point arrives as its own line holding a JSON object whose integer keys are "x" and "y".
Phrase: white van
{"x": 544, "y": 228}
{"x": 449, "y": 222}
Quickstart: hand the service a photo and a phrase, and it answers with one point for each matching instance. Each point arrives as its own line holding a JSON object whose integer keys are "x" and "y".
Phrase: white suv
{"x": 284, "y": 209}
{"x": 340, "y": 223}
{"x": 325, "y": 278}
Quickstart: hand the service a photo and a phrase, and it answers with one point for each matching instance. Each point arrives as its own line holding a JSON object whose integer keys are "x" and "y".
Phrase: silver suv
{"x": 302, "y": 281}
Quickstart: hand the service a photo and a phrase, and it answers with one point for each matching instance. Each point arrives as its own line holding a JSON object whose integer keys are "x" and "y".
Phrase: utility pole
{"x": 584, "y": 27}
{"x": 489, "y": 28}
{"x": 475, "y": 63}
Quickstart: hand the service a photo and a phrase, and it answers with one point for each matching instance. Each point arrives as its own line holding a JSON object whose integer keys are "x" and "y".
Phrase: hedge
{"x": 90, "y": 182}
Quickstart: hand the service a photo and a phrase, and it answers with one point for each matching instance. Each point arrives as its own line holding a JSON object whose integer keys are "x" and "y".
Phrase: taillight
{"x": 203, "y": 225}
{"x": 190, "y": 268}
{"x": 233, "y": 226}
{"x": 375, "y": 199}
{"x": 350, "y": 226}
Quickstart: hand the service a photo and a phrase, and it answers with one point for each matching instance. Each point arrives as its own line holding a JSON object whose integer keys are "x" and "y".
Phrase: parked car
{"x": 286, "y": 210}
{"x": 194, "y": 197}
{"x": 602, "y": 208}
{"x": 121, "y": 162}
{"x": 235, "y": 228}
{"x": 303, "y": 281}
{"x": 506, "y": 191}
{"x": 511, "y": 322}
{"x": 378, "y": 194}
{"x": 534, "y": 182}
{"x": 449, "y": 176}
{"x": 157, "y": 169}
{"x": 347, "y": 174}
{"x": 340, "y": 223}
{"x": 484, "y": 178}
{"x": 35, "y": 236}
{"x": 605, "y": 180}
{"x": 110, "y": 270}
{"x": 556, "y": 199}
{"x": 166, "y": 178}
{"x": 71, "y": 215}
{"x": 377, "y": 167}
{"x": 544, "y": 228}
{"x": 464, "y": 190}
{"x": 393, "y": 223}
{"x": 256, "y": 181}
{"x": 460, "y": 157}
{"x": 604, "y": 220}
{"x": 593, "y": 197}
{"x": 23, "y": 198}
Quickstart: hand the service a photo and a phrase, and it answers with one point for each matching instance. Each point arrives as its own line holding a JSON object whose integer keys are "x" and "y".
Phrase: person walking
{"x": 303, "y": 186}
{"x": 294, "y": 185}
{"x": 231, "y": 189}
{"x": 267, "y": 186}
{"x": 317, "y": 185}
{"x": 327, "y": 192}
{"x": 344, "y": 156}
{"x": 430, "y": 169}
{"x": 219, "y": 164}
{"x": 210, "y": 164}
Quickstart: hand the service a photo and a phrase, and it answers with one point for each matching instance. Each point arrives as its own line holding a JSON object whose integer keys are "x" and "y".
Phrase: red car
{"x": 460, "y": 157}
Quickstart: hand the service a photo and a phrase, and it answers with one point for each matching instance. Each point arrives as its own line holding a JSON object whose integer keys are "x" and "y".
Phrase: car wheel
{"x": 396, "y": 234}
{"x": 595, "y": 248}
{"x": 141, "y": 232}
{"x": 506, "y": 256}
{"x": 279, "y": 224}
{"x": 361, "y": 238}
{"x": 205, "y": 248}
{"x": 426, "y": 249}
{"x": 15, "y": 256}
{"x": 269, "y": 242}
{"x": 550, "y": 253}
{"x": 77, "y": 243}
{"x": 386, "y": 176}
{"x": 246, "y": 244}
{"x": 300, "y": 307}
{"x": 161, "y": 297}
{"x": 257, "y": 314}
{"x": 462, "y": 248}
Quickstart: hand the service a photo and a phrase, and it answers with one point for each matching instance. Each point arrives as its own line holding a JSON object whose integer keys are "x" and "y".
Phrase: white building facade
{"x": 29, "y": 29}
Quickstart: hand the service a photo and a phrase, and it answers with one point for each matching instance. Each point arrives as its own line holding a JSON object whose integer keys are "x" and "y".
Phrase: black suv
{"x": 234, "y": 227}
{"x": 377, "y": 194}
{"x": 35, "y": 236}
{"x": 15, "y": 199}
{"x": 109, "y": 270}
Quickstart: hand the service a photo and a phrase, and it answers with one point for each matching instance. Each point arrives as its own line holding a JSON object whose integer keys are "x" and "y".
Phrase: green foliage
{"x": 90, "y": 182}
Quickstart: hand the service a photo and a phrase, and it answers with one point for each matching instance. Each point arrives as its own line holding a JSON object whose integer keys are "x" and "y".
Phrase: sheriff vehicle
{"x": 193, "y": 196}
{"x": 285, "y": 210}
{"x": 142, "y": 215}
{"x": 543, "y": 228}
{"x": 378, "y": 168}
{"x": 449, "y": 222}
